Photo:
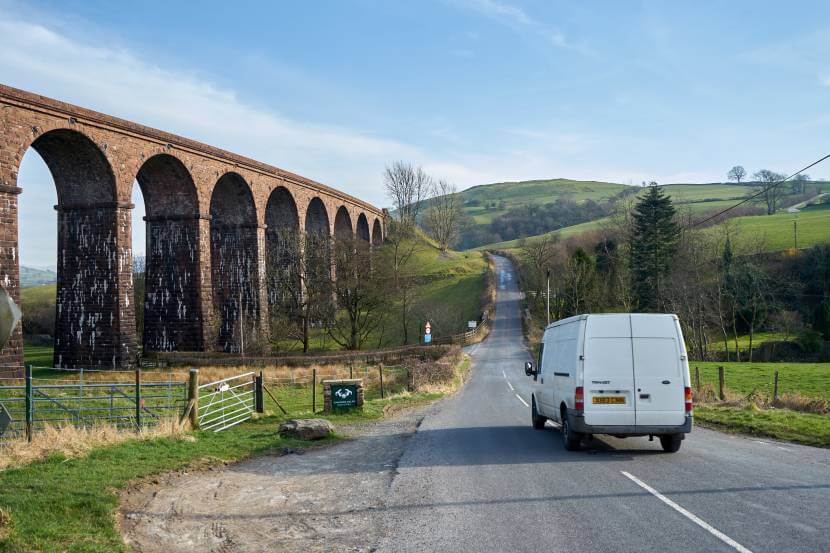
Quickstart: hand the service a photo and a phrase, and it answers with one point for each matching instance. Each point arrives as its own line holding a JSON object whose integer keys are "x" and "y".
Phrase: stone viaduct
{"x": 210, "y": 215}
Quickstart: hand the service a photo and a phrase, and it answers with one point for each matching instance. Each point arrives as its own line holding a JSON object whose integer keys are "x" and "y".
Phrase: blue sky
{"x": 475, "y": 90}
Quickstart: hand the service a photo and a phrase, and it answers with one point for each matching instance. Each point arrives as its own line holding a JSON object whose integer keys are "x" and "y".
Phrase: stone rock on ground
{"x": 306, "y": 429}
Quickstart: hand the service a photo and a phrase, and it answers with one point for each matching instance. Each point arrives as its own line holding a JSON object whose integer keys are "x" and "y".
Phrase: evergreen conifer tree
{"x": 653, "y": 243}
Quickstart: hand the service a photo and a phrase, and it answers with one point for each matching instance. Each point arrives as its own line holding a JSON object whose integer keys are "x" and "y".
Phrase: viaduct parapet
{"x": 211, "y": 216}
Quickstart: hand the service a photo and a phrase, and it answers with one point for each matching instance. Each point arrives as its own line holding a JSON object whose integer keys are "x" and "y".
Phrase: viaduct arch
{"x": 216, "y": 228}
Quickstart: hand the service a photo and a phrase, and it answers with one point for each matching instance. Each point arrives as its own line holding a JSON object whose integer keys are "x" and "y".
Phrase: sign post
{"x": 427, "y": 333}
{"x": 340, "y": 395}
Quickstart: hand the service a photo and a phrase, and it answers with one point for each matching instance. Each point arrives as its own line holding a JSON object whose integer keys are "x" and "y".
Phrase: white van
{"x": 621, "y": 374}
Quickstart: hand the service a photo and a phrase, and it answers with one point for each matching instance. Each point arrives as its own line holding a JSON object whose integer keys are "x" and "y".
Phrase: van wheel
{"x": 572, "y": 440}
{"x": 671, "y": 442}
{"x": 537, "y": 419}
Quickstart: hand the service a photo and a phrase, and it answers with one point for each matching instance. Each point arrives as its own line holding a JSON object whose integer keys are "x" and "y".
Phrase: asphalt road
{"x": 477, "y": 477}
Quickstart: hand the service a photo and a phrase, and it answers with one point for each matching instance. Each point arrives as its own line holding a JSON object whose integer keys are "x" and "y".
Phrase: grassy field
{"x": 808, "y": 379}
{"x": 758, "y": 339}
{"x": 776, "y": 231}
{"x": 37, "y": 356}
{"x": 802, "y": 387}
{"x": 43, "y": 293}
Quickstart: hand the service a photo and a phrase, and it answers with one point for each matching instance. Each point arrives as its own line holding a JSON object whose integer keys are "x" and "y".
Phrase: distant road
{"x": 795, "y": 208}
{"x": 476, "y": 477}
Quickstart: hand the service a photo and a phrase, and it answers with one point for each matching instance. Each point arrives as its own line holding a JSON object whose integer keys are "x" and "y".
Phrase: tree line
{"x": 723, "y": 286}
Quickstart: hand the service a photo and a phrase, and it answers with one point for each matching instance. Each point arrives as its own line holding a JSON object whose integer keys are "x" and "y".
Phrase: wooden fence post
{"x": 313, "y": 390}
{"x": 697, "y": 381}
{"x": 380, "y": 371}
{"x": 193, "y": 396}
{"x": 775, "y": 390}
{"x": 721, "y": 395}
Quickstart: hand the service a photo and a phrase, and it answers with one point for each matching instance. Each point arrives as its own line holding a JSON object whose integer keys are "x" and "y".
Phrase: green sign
{"x": 343, "y": 396}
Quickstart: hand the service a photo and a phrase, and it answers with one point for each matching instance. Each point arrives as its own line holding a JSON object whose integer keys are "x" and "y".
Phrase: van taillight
{"x": 579, "y": 399}
{"x": 688, "y": 392}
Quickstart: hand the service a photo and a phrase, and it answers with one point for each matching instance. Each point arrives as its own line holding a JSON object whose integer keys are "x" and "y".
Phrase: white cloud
{"x": 501, "y": 11}
{"x": 118, "y": 82}
{"x": 516, "y": 17}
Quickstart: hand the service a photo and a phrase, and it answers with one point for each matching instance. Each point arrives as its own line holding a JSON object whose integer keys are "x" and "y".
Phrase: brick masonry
{"x": 195, "y": 265}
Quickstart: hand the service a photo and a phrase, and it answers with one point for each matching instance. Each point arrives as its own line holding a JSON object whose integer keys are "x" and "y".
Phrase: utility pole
{"x": 547, "y": 298}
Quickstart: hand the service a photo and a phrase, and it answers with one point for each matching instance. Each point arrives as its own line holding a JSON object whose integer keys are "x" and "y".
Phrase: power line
{"x": 762, "y": 191}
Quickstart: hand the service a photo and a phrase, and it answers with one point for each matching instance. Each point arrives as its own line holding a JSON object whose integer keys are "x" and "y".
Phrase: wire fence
{"x": 304, "y": 393}
{"x": 137, "y": 399}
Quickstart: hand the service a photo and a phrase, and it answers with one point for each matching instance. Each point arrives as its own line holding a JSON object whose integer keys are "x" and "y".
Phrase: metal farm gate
{"x": 227, "y": 402}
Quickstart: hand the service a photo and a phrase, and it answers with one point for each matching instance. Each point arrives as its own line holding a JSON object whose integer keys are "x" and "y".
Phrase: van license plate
{"x": 608, "y": 400}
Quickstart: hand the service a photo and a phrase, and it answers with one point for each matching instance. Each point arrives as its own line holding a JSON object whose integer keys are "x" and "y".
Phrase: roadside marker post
{"x": 720, "y": 384}
{"x": 697, "y": 381}
{"x": 380, "y": 371}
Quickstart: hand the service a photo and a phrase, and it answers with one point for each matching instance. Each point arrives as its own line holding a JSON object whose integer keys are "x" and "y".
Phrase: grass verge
{"x": 781, "y": 424}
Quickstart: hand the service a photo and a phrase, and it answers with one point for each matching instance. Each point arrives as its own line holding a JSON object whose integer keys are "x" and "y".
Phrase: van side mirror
{"x": 529, "y": 369}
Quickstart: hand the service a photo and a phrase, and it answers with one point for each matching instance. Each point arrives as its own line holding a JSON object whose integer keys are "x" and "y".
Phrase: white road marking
{"x": 691, "y": 516}
{"x": 523, "y": 401}
{"x": 512, "y": 389}
{"x": 504, "y": 374}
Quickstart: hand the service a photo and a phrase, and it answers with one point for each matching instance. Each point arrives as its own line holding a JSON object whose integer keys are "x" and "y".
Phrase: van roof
{"x": 586, "y": 315}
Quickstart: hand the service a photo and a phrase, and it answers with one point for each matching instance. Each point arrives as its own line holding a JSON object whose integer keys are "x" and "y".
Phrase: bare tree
{"x": 408, "y": 187}
{"x": 298, "y": 270}
{"x": 799, "y": 183}
{"x": 736, "y": 174}
{"x": 771, "y": 193}
{"x": 397, "y": 256}
{"x": 360, "y": 294}
{"x": 443, "y": 217}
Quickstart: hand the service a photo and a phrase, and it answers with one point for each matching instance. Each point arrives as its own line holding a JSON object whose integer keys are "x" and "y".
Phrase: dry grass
{"x": 206, "y": 374}
{"x": 70, "y": 442}
{"x": 757, "y": 400}
{"x": 5, "y": 524}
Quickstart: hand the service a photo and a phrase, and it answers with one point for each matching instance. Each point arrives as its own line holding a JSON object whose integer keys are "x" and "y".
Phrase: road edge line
{"x": 691, "y": 516}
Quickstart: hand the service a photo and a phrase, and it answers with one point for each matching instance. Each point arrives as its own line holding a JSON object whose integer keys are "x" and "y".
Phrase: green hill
{"x": 485, "y": 202}
{"x": 488, "y": 217}
{"x": 29, "y": 276}
{"x": 775, "y": 231}
{"x": 491, "y": 201}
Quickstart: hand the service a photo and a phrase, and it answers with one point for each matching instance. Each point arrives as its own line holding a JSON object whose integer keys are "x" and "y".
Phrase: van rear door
{"x": 608, "y": 372}
{"x": 657, "y": 371}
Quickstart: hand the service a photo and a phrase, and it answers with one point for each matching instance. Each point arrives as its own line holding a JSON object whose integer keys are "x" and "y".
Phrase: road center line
{"x": 691, "y": 516}
{"x": 511, "y": 386}
{"x": 523, "y": 401}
